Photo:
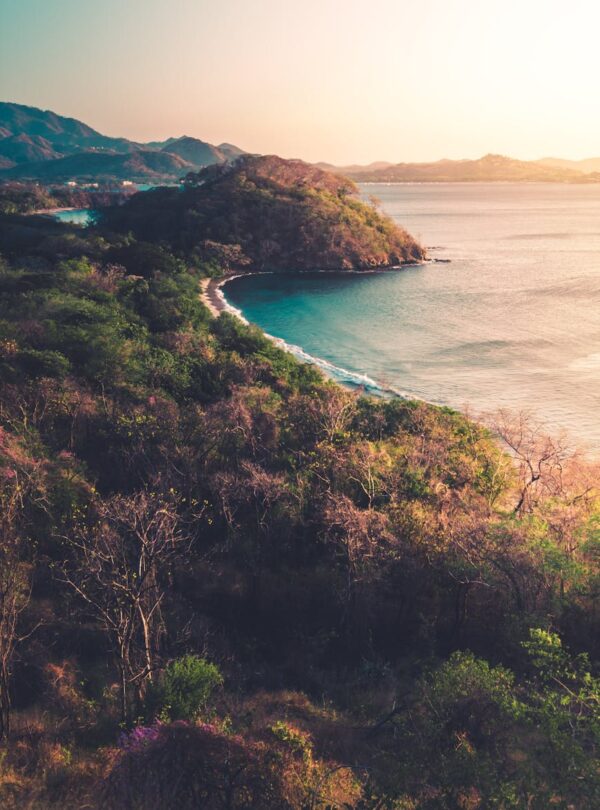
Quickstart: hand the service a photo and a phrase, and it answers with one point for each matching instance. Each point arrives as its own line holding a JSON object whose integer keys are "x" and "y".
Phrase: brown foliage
{"x": 189, "y": 767}
{"x": 119, "y": 569}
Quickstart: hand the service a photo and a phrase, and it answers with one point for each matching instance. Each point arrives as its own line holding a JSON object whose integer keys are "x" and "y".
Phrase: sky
{"x": 343, "y": 81}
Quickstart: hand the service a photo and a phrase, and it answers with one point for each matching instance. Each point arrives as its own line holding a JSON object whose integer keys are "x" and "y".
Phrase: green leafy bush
{"x": 43, "y": 363}
{"x": 185, "y": 688}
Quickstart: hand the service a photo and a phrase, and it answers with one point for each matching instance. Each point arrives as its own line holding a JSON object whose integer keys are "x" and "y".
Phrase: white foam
{"x": 337, "y": 372}
{"x": 229, "y": 307}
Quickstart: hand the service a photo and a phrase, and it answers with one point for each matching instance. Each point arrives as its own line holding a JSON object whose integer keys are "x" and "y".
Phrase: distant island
{"x": 488, "y": 169}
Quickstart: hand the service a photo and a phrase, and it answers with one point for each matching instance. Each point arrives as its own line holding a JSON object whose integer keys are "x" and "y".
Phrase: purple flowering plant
{"x": 138, "y": 737}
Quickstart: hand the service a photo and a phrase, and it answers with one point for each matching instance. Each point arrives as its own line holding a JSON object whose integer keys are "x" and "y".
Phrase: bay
{"x": 512, "y": 321}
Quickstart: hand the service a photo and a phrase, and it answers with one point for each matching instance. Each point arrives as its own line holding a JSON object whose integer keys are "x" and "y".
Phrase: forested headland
{"x": 284, "y": 215}
{"x": 226, "y": 582}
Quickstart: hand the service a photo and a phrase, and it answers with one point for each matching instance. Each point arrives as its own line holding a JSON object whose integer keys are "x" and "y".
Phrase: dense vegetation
{"x": 228, "y": 583}
{"x": 284, "y": 214}
{"x": 140, "y": 166}
{"x": 23, "y": 198}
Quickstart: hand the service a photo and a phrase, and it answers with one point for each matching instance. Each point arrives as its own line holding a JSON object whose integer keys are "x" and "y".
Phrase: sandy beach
{"x": 209, "y": 296}
{"x": 51, "y": 211}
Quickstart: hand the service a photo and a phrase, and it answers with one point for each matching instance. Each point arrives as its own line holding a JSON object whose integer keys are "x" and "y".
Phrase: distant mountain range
{"x": 490, "y": 168}
{"x": 585, "y": 166}
{"x": 41, "y": 145}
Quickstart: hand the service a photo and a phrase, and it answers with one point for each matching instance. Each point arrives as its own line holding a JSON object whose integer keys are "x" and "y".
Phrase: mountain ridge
{"x": 34, "y": 141}
{"x": 195, "y": 151}
{"x": 489, "y": 168}
{"x": 38, "y": 145}
{"x": 585, "y": 166}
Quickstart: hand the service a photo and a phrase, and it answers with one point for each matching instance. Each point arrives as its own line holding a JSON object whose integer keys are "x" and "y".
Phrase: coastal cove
{"x": 513, "y": 321}
{"x": 75, "y": 216}
{"x": 245, "y": 560}
{"x": 299, "y": 406}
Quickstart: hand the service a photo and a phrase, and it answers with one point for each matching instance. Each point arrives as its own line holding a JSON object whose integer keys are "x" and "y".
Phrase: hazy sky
{"x": 338, "y": 80}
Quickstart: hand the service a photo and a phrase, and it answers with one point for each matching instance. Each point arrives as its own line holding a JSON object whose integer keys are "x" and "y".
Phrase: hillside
{"x": 27, "y": 148}
{"x": 229, "y": 584}
{"x": 231, "y": 151}
{"x": 585, "y": 166}
{"x": 355, "y": 167}
{"x": 25, "y": 198}
{"x": 30, "y": 137}
{"x": 490, "y": 168}
{"x": 195, "y": 152}
{"x": 283, "y": 214}
{"x": 65, "y": 134}
{"x": 139, "y": 166}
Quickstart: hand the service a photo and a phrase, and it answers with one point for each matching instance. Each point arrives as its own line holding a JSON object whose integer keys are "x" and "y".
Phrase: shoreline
{"x": 51, "y": 211}
{"x": 216, "y": 303}
{"x": 209, "y": 296}
{"x": 214, "y": 299}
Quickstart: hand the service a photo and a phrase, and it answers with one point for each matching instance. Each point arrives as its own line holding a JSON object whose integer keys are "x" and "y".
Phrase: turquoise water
{"x": 86, "y": 216}
{"x": 513, "y": 320}
{"x": 77, "y": 216}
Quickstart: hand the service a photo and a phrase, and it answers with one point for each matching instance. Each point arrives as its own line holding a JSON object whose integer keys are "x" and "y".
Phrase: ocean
{"x": 512, "y": 321}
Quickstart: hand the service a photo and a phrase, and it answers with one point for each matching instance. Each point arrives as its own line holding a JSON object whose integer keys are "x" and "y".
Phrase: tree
{"x": 556, "y": 489}
{"x": 540, "y": 459}
{"x": 226, "y": 258}
{"x": 120, "y": 566}
{"x": 18, "y": 487}
{"x": 564, "y": 707}
{"x": 15, "y": 589}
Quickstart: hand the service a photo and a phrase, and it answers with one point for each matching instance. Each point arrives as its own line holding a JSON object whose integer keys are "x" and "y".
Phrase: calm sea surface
{"x": 513, "y": 320}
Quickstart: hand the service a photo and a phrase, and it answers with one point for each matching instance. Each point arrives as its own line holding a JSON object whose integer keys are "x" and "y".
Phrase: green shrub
{"x": 184, "y": 690}
{"x": 44, "y": 363}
